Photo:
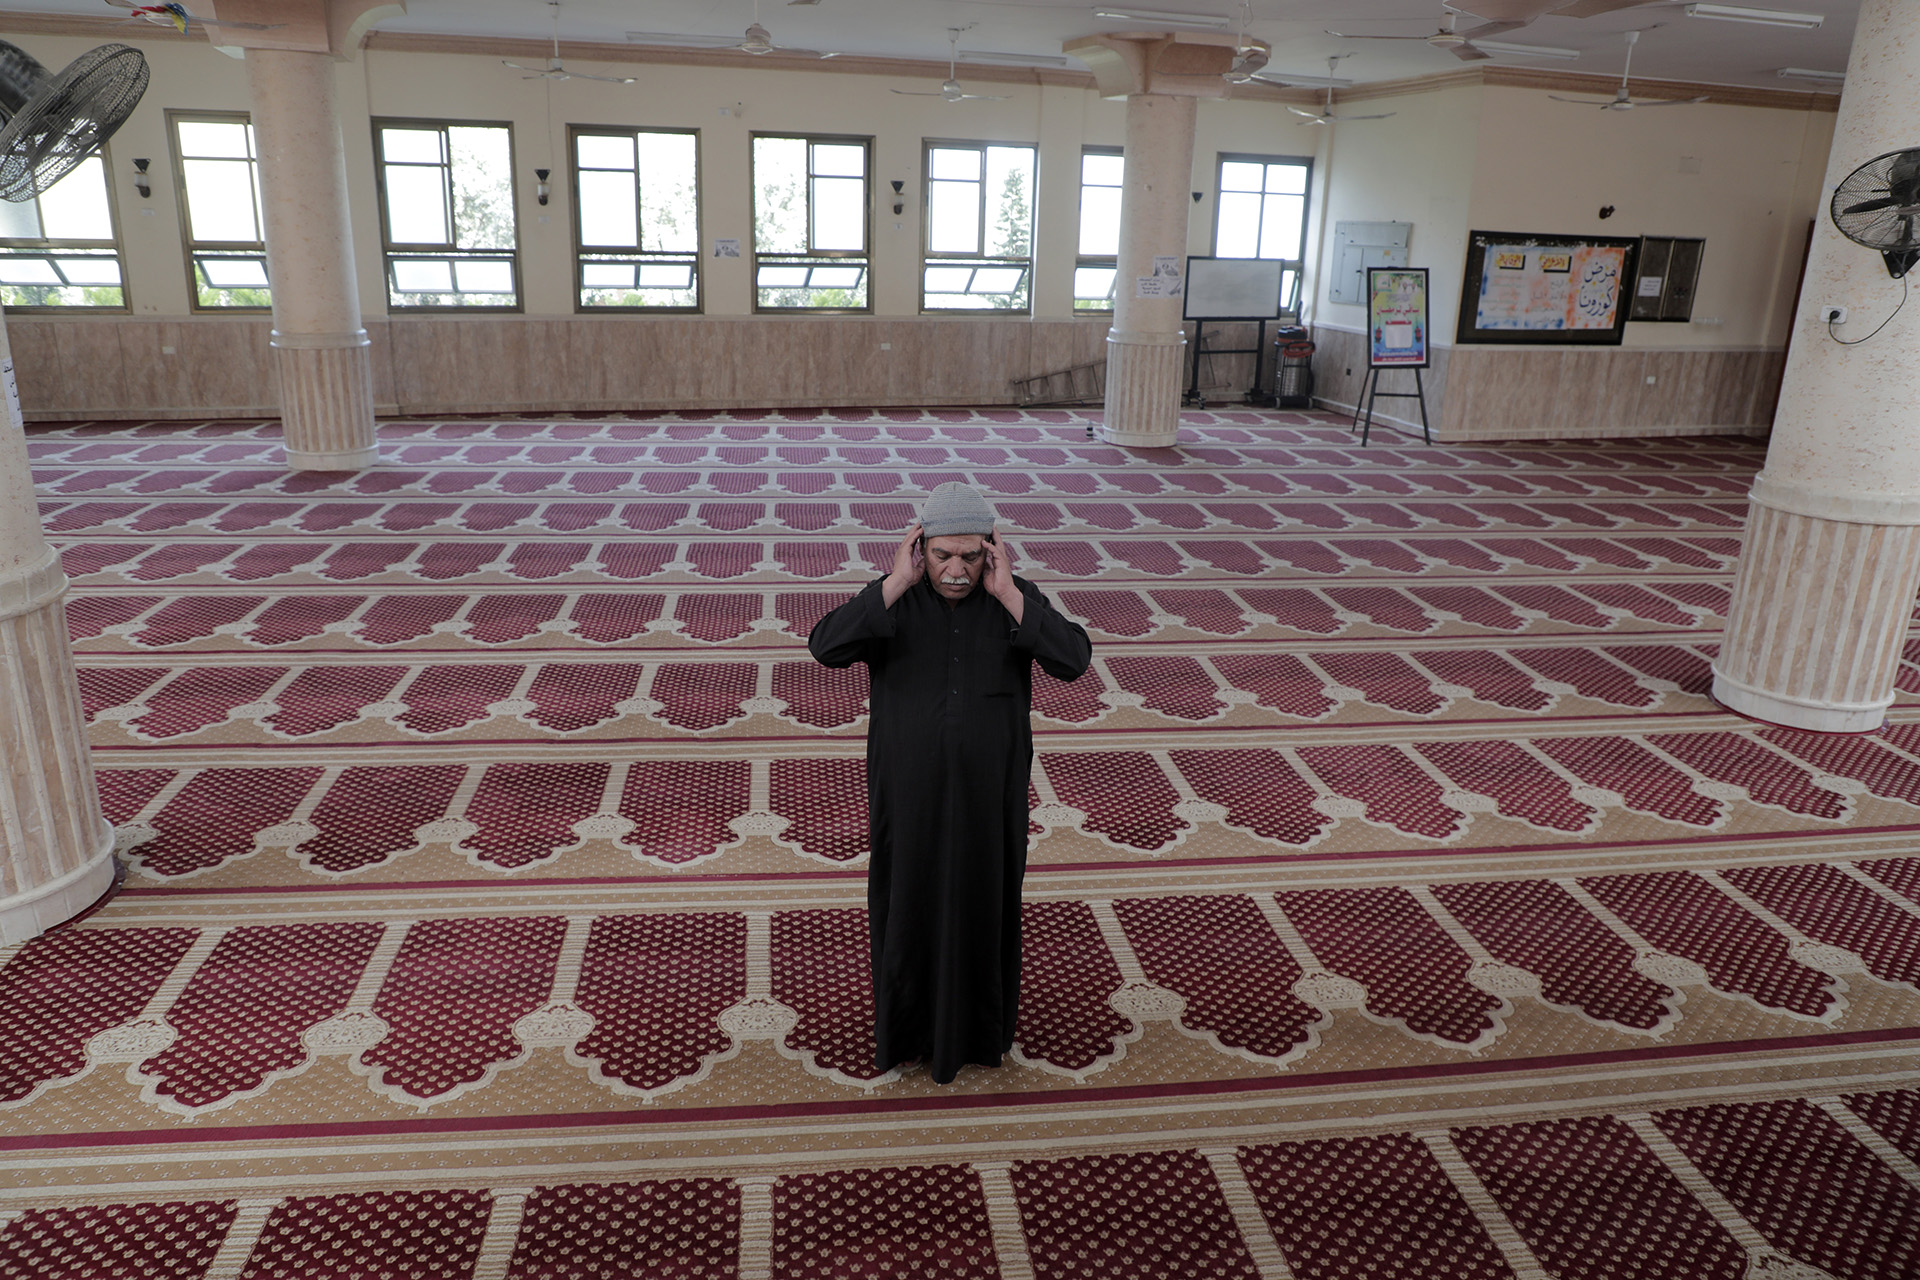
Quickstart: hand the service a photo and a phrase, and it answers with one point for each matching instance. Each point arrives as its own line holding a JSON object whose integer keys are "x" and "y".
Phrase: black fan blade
{"x": 1870, "y": 206}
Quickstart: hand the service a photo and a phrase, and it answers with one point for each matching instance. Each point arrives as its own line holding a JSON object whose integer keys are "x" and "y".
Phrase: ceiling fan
{"x": 555, "y": 70}
{"x": 951, "y": 90}
{"x": 1325, "y": 114}
{"x": 758, "y": 41}
{"x": 1622, "y": 100}
{"x": 180, "y": 19}
{"x": 1458, "y": 43}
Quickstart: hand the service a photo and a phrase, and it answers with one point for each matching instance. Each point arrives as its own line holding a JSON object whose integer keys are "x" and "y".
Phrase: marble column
{"x": 321, "y": 351}
{"x": 56, "y": 851}
{"x": 1147, "y": 345}
{"x": 1825, "y": 591}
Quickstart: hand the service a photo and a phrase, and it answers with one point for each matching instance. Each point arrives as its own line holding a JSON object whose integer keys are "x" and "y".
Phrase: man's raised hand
{"x": 999, "y": 579}
{"x": 909, "y": 566}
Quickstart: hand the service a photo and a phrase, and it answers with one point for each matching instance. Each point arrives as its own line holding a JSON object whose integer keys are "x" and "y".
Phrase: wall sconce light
{"x": 140, "y": 183}
{"x": 899, "y": 200}
{"x": 542, "y": 188}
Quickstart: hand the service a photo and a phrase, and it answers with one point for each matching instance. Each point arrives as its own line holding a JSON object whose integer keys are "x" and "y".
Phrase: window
{"x": 446, "y": 214}
{"x": 637, "y": 218}
{"x": 810, "y": 224}
{"x": 1101, "y": 174}
{"x": 219, "y": 174}
{"x": 979, "y": 227}
{"x": 58, "y": 249}
{"x": 1262, "y": 213}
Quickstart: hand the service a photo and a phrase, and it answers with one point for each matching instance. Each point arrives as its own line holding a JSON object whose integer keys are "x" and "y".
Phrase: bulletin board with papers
{"x": 1544, "y": 289}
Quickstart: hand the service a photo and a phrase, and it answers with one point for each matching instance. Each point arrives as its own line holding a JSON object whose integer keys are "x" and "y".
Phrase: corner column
{"x": 56, "y": 850}
{"x": 1824, "y": 596}
{"x": 1147, "y": 345}
{"x": 320, "y": 349}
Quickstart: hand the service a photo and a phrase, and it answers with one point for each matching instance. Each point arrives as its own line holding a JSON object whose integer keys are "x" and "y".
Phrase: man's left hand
{"x": 999, "y": 579}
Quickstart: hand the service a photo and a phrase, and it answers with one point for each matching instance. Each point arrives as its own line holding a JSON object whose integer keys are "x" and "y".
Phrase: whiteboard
{"x": 1233, "y": 288}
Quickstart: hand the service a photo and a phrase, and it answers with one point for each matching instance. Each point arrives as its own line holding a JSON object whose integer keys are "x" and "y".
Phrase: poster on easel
{"x": 1397, "y": 325}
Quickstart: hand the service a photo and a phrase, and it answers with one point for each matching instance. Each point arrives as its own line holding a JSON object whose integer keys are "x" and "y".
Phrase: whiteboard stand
{"x": 1256, "y": 394}
{"x": 1226, "y": 290}
{"x": 1370, "y": 391}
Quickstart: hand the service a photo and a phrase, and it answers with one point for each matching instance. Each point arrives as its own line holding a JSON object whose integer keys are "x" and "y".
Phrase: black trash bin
{"x": 1293, "y": 369}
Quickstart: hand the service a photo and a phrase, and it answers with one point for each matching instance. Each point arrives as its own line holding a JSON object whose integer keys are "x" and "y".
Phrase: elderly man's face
{"x": 955, "y": 563}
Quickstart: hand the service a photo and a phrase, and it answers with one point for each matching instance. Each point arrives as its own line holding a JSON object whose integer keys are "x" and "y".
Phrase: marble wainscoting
{"x": 120, "y": 366}
{"x": 1565, "y": 393}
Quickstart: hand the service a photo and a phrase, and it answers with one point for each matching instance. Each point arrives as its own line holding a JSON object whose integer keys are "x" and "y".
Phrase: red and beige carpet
{"x": 1401, "y": 906}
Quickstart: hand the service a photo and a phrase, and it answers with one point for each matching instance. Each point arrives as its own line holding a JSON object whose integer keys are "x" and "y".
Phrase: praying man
{"x": 949, "y": 637}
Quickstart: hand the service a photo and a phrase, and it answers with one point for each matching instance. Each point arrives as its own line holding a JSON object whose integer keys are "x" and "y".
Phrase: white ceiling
{"x": 1675, "y": 46}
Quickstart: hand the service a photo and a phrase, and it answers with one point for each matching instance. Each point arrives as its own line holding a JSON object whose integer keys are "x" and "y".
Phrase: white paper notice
{"x": 13, "y": 391}
{"x": 1166, "y": 264}
{"x": 726, "y": 248}
{"x": 1150, "y": 287}
{"x": 1650, "y": 286}
{"x": 1398, "y": 334}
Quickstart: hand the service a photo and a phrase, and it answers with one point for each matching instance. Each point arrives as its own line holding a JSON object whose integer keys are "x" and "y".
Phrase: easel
{"x": 1257, "y": 394}
{"x": 1370, "y": 391}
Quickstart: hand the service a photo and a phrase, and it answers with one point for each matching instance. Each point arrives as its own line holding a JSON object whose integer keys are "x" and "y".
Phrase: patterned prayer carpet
{"x": 1401, "y": 906}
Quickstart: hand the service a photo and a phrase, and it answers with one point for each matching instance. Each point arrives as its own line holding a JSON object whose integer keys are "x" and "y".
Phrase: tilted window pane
{"x": 603, "y": 151}
{"x": 1239, "y": 233}
{"x": 220, "y": 200}
{"x": 234, "y": 273}
{"x": 953, "y": 217}
{"x": 100, "y": 270}
{"x": 839, "y": 213}
{"x": 609, "y": 214}
{"x": 780, "y": 195}
{"x": 839, "y": 159}
{"x": 482, "y": 187}
{"x": 997, "y": 279}
{"x": 837, "y": 277}
{"x": 1238, "y": 175}
{"x": 606, "y": 275}
{"x": 20, "y": 220}
{"x": 483, "y": 276}
{"x": 75, "y": 208}
{"x": 1287, "y": 179}
{"x": 1009, "y": 201}
{"x": 666, "y": 275}
{"x": 416, "y": 206}
{"x": 1094, "y": 285}
{"x": 1280, "y": 227}
{"x": 669, "y": 193}
{"x": 431, "y": 275}
{"x": 411, "y": 146}
{"x": 1103, "y": 170}
{"x": 214, "y": 138}
{"x": 1100, "y": 220}
{"x": 955, "y": 164}
{"x": 948, "y": 279}
{"x": 783, "y": 277}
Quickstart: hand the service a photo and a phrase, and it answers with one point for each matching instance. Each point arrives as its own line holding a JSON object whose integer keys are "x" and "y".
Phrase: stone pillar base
{"x": 1820, "y": 612}
{"x": 326, "y": 400}
{"x": 1143, "y": 389}
{"x": 56, "y": 851}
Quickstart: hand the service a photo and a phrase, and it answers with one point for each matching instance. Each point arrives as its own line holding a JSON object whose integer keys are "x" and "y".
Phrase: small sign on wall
{"x": 1669, "y": 272}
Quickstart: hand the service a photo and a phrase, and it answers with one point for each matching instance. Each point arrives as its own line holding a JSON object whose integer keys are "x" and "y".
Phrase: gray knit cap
{"x": 955, "y": 508}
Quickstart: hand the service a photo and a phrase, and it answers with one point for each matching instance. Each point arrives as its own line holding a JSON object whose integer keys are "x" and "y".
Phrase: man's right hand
{"x": 909, "y": 566}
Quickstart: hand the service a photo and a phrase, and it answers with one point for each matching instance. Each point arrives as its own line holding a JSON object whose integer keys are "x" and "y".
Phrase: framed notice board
{"x": 1397, "y": 326}
{"x": 1665, "y": 278}
{"x": 1529, "y": 289}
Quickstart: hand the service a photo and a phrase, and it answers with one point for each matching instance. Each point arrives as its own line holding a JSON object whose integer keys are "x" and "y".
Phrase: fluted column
{"x": 56, "y": 851}
{"x": 320, "y": 349}
{"x": 1147, "y": 345}
{"x": 1826, "y": 585}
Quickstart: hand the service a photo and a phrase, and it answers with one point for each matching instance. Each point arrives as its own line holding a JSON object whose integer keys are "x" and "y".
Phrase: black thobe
{"x": 949, "y": 753}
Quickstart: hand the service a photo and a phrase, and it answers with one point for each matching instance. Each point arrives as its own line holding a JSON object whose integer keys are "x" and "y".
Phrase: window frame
{"x": 387, "y": 246}
{"x": 52, "y": 245}
{"x": 928, "y": 257}
{"x": 1094, "y": 260}
{"x": 866, "y": 255}
{"x": 1290, "y": 306}
{"x": 217, "y": 248}
{"x": 580, "y": 251}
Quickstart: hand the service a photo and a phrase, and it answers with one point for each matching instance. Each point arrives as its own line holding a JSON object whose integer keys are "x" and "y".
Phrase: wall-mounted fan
{"x": 555, "y": 69}
{"x": 1325, "y": 114}
{"x": 951, "y": 90}
{"x": 1621, "y": 99}
{"x": 53, "y": 122}
{"x": 1878, "y": 204}
{"x": 757, "y": 41}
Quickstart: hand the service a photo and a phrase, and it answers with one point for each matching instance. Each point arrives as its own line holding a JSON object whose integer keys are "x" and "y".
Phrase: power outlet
{"x": 1831, "y": 314}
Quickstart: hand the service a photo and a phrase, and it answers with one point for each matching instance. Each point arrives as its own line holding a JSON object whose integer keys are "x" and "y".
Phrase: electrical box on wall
{"x": 1668, "y": 270}
{"x": 1359, "y": 245}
